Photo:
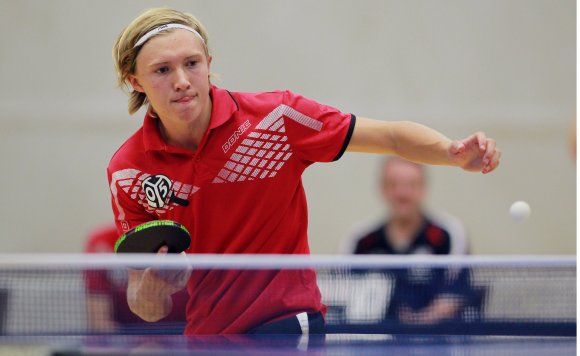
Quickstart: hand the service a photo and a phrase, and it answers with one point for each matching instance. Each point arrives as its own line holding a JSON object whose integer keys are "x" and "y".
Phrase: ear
{"x": 209, "y": 58}
{"x": 135, "y": 84}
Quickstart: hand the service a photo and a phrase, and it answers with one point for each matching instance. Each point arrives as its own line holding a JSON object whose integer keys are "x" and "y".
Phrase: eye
{"x": 191, "y": 63}
{"x": 162, "y": 70}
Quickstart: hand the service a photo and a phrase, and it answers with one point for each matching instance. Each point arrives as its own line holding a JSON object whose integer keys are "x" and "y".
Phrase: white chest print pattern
{"x": 265, "y": 150}
{"x": 156, "y": 193}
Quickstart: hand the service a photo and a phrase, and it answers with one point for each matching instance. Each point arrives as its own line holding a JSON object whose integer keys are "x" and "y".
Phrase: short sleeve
{"x": 316, "y": 132}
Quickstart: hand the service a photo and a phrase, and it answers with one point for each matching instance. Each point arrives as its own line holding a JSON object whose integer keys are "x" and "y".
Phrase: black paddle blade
{"x": 150, "y": 236}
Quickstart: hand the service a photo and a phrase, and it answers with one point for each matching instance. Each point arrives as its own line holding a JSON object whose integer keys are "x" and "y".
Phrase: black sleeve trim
{"x": 347, "y": 138}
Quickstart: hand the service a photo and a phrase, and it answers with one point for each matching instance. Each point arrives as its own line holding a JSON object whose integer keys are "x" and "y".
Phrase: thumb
{"x": 457, "y": 147}
{"x": 158, "y": 270}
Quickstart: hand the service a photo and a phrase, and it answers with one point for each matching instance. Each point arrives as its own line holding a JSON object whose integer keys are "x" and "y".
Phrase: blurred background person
{"x": 107, "y": 307}
{"x": 421, "y": 295}
{"x": 407, "y": 228}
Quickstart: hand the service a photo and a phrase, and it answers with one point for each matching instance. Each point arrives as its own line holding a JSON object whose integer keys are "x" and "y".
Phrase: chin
{"x": 187, "y": 113}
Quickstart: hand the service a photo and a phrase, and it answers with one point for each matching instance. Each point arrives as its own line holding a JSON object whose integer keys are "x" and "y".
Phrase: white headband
{"x": 165, "y": 27}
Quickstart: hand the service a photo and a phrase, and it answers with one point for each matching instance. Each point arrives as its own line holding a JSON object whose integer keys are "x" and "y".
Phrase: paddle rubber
{"x": 149, "y": 237}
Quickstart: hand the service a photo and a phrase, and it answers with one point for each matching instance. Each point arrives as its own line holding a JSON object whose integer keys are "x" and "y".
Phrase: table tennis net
{"x": 86, "y": 294}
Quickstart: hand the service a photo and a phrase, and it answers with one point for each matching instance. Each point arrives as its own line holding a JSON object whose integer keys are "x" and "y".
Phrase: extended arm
{"x": 421, "y": 144}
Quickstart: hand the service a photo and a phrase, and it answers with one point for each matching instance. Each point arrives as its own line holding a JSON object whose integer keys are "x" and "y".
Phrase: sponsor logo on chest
{"x": 235, "y": 136}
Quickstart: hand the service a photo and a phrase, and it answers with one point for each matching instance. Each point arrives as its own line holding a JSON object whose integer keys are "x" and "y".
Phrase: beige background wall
{"x": 503, "y": 66}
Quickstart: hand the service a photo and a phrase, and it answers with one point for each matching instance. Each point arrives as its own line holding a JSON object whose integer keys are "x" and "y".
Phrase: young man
{"x": 228, "y": 166}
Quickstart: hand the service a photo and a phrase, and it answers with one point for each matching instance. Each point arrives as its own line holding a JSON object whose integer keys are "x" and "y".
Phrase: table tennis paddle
{"x": 150, "y": 236}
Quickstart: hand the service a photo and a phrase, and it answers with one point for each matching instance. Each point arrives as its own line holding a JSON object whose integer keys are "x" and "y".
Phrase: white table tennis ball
{"x": 520, "y": 210}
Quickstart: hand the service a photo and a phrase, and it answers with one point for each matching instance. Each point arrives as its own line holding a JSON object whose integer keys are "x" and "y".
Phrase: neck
{"x": 187, "y": 135}
{"x": 402, "y": 230}
{"x": 407, "y": 222}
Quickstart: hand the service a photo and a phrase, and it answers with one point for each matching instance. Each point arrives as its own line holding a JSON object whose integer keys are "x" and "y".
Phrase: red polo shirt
{"x": 240, "y": 192}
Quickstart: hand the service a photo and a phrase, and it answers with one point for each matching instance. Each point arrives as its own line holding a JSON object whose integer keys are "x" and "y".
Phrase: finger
{"x": 176, "y": 279}
{"x": 184, "y": 277}
{"x": 158, "y": 270}
{"x": 183, "y": 258}
{"x": 457, "y": 147}
{"x": 481, "y": 140}
{"x": 494, "y": 163}
{"x": 173, "y": 276}
{"x": 471, "y": 141}
{"x": 489, "y": 152}
{"x": 496, "y": 160}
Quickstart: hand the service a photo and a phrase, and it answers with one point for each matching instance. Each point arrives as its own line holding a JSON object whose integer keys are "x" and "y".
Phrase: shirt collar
{"x": 223, "y": 107}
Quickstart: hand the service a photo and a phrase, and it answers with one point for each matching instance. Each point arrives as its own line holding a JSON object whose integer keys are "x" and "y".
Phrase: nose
{"x": 181, "y": 81}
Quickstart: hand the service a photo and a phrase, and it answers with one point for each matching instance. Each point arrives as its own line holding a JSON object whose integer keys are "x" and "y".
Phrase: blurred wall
{"x": 506, "y": 67}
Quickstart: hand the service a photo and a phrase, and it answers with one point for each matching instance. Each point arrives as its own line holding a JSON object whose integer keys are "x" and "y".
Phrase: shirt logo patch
{"x": 156, "y": 193}
{"x": 156, "y": 190}
{"x": 265, "y": 150}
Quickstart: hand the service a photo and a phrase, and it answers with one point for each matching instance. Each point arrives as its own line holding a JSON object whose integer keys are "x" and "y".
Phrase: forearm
{"x": 421, "y": 144}
{"x": 409, "y": 140}
{"x": 441, "y": 309}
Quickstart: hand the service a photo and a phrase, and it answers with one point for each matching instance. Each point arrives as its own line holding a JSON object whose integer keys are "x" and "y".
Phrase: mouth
{"x": 185, "y": 99}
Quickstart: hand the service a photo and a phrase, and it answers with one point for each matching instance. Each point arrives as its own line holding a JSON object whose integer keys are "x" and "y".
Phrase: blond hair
{"x": 125, "y": 54}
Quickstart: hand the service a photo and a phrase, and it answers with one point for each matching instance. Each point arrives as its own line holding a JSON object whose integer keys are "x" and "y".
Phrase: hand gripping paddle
{"x": 150, "y": 236}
